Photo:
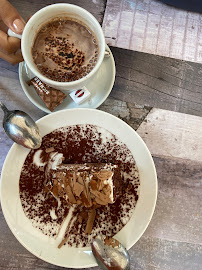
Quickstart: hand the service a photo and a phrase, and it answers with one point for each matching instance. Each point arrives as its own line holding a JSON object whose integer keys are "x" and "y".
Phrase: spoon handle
{"x": 3, "y": 107}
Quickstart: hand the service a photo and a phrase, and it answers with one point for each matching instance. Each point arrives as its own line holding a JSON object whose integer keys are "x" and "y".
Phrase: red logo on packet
{"x": 79, "y": 93}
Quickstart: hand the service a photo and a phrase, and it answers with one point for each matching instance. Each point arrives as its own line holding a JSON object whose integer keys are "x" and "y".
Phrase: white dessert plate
{"x": 100, "y": 87}
{"x": 44, "y": 247}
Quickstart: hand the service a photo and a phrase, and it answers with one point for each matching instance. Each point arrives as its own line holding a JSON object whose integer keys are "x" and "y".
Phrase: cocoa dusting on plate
{"x": 78, "y": 144}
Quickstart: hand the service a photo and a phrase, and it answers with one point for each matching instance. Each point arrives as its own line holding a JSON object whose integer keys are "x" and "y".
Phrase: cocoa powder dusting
{"x": 65, "y": 50}
{"x": 79, "y": 144}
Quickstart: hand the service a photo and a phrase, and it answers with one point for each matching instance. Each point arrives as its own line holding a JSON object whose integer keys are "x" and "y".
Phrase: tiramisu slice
{"x": 89, "y": 184}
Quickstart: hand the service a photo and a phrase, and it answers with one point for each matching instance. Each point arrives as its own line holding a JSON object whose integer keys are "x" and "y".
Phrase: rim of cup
{"x": 31, "y": 23}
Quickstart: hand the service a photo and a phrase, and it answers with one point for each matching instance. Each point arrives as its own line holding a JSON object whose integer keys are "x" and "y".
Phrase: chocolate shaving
{"x": 63, "y": 242}
{"x": 78, "y": 188}
{"x": 102, "y": 176}
{"x": 101, "y": 198}
{"x": 48, "y": 150}
{"x": 93, "y": 184}
{"x": 109, "y": 241}
{"x": 86, "y": 195}
{"x": 74, "y": 180}
{"x": 84, "y": 215}
{"x": 55, "y": 191}
{"x": 78, "y": 202}
{"x": 80, "y": 219}
{"x": 70, "y": 195}
{"x": 80, "y": 180}
{"x": 91, "y": 218}
{"x": 61, "y": 178}
{"x": 66, "y": 238}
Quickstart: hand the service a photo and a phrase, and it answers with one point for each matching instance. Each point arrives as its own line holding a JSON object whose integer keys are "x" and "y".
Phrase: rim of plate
{"x": 155, "y": 182}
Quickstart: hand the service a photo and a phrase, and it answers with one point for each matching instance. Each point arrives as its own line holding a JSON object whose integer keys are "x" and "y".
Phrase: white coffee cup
{"x": 45, "y": 15}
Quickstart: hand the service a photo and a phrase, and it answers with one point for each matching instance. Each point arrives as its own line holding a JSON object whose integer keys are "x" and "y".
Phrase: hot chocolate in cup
{"x": 62, "y": 13}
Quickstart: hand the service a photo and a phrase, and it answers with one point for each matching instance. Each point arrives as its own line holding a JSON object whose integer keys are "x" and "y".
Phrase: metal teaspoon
{"x": 21, "y": 128}
{"x": 110, "y": 258}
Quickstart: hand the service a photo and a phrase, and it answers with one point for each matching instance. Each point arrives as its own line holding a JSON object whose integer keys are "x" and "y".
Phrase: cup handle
{"x": 107, "y": 52}
{"x": 13, "y": 34}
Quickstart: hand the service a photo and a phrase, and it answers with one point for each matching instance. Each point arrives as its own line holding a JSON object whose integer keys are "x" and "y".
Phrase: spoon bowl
{"x": 110, "y": 257}
{"x": 21, "y": 128}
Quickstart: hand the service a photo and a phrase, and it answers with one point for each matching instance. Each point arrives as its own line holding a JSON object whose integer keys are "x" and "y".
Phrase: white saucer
{"x": 41, "y": 245}
{"x": 100, "y": 87}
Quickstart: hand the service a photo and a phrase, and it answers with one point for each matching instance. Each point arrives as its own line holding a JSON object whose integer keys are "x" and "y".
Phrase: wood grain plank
{"x": 156, "y": 254}
{"x": 28, "y": 7}
{"x": 158, "y": 82}
{"x": 175, "y": 141}
{"x": 132, "y": 114}
{"x": 172, "y": 134}
{"x": 178, "y": 213}
{"x": 113, "y": 18}
{"x": 153, "y": 27}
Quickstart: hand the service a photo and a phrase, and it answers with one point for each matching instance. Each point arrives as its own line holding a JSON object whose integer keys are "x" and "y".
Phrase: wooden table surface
{"x": 161, "y": 98}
